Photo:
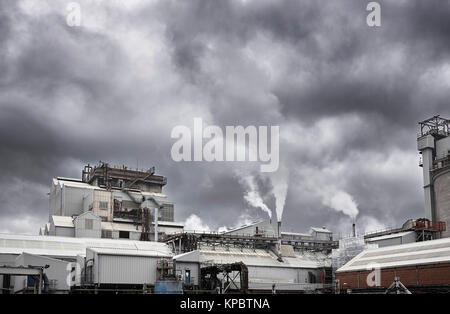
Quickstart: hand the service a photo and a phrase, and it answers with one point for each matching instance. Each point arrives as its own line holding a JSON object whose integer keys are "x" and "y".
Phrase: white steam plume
{"x": 252, "y": 195}
{"x": 340, "y": 201}
{"x": 195, "y": 223}
{"x": 280, "y": 181}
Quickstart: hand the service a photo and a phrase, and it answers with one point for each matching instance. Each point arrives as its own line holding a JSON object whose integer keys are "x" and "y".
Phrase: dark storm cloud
{"x": 347, "y": 98}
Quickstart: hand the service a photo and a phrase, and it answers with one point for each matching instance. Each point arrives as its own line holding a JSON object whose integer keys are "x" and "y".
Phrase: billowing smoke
{"x": 279, "y": 189}
{"x": 340, "y": 201}
{"x": 252, "y": 195}
{"x": 279, "y": 181}
{"x": 195, "y": 223}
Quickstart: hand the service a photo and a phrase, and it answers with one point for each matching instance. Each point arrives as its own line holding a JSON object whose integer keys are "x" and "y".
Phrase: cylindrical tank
{"x": 441, "y": 182}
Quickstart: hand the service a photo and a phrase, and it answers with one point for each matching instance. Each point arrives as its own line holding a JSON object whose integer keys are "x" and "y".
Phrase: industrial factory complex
{"x": 114, "y": 231}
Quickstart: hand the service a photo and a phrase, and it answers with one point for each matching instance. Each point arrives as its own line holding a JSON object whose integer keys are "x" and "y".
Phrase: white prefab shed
{"x": 123, "y": 266}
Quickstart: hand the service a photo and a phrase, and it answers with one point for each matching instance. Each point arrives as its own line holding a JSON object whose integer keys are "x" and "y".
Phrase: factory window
{"x": 187, "y": 276}
{"x": 89, "y": 224}
{"x": 103, "y": 205}
{"x": 124, "y": 234}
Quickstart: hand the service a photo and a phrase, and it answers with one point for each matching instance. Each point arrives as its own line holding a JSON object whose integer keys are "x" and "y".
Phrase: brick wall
{"x": 420, "y": 275}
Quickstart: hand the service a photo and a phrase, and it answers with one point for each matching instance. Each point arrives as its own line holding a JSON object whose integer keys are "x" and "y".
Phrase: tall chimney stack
{"x": 354, "y": 229}
{"x": 279, "y": 238}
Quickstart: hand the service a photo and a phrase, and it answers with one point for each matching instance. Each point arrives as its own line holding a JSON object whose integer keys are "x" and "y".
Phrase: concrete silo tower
{"x": 434, "y": 144}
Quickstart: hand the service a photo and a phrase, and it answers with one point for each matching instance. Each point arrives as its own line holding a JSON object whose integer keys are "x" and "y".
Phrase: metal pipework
{"x": 157, "y": 207}
{"x": 156, "y": 223}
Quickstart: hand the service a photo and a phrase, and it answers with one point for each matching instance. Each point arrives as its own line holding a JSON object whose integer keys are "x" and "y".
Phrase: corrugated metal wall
{"x": 80, "y": 226}
{"x": 55, "y": 201}
{"x": 73, "y": 200}
{"x": 64, "y": 232}
{"x": 125, "y": 269}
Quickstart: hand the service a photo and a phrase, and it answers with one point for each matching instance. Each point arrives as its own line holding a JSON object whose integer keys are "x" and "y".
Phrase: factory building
{"x": 100, "y": 238}
{"x": 103, "y": 231}
{"x": 112, "y": 267}
{"x": 420, "y": 267}
{"x": 433, "y": 144}
{"x": 266, "y": 271}
{"x": 56, "y": 274}
{"x": 111, "y": 202}
{"x": 393, "y": 239}
{"x": 267, "y": 229}
{"x": 81, "y": 263}
{"x": 254, "y": 258}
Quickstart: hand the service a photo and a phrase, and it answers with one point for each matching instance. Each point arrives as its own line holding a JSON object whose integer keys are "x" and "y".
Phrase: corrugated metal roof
{"x": 244, "y": 226}
{"x": 390, "y": 236}
{"x": 63, "y": 221}
{"x": 419, "y": 253}
{"x": 323, "y": 230}
{"x": 74, "y": 183}
{"x": 250, "y": 257}
{"x": 69, "y": 247}
{"x": 129, "y": 252}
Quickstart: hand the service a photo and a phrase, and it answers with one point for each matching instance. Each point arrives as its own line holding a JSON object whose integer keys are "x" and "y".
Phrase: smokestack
{"x": 279, "y": 239}
{"x": 354, "y": 229}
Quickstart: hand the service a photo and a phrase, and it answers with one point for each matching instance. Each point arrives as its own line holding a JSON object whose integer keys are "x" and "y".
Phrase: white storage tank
{"x": 442, "y": 198}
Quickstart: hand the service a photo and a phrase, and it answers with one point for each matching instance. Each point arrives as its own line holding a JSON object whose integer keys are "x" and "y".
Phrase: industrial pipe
{"x": 156, "y": 223}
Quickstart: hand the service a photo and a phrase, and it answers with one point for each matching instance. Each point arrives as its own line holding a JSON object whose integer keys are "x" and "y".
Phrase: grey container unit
{"x": 124, "y": 266}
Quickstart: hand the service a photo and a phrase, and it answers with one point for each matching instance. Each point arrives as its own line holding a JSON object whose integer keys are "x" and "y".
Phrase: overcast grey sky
{"x": 347, "y": 98}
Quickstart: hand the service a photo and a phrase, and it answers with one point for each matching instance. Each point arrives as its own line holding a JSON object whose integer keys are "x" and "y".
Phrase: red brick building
{"x": 421, "y": 267}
